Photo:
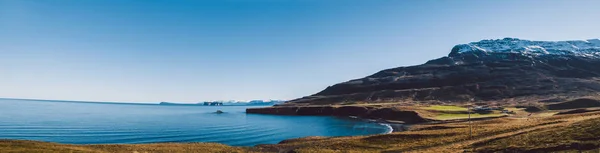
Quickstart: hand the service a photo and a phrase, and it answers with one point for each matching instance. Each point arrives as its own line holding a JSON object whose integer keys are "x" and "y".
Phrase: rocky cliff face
{"x": 485, "y": 70}
{"x": 405, "y": 116}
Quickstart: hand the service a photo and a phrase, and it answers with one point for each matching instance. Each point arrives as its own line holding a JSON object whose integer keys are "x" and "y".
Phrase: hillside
{"x": 489, "y": 70}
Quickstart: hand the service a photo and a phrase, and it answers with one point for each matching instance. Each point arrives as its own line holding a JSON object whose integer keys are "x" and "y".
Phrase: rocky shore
{"x": 366, "y": 112}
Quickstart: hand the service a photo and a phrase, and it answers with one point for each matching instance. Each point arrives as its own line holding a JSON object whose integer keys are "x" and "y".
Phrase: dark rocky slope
{"x": 472, "y": 75}
{"x": 575, "y": 104}
{"x": 358, "y": 111}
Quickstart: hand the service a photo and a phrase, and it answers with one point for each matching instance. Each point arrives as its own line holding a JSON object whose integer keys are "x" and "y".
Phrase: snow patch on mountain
{"x": 586, "y": 48}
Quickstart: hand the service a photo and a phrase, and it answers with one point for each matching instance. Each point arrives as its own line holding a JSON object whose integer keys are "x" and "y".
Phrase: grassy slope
{"x": 448, "y": 137}
{"x": 580, "y": 135}
{"x": 463, "y": 116}
{"x": 448, "y": 112}
{"x": 520, "y": 134}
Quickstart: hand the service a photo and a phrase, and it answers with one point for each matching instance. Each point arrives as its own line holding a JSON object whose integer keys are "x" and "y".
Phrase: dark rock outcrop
{"x": 315, "y": 111}
{"x": 395, "y": 114}
{"x": 576, "y": 111}
{"x": 350, "y": 111}
{"x": 359, "y": 111}
{"x": 274, "y": 110}
{"x": 574, "y": 104}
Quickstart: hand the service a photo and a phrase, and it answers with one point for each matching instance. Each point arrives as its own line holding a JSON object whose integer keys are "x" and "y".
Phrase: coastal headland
{"x": 367, "y": 112}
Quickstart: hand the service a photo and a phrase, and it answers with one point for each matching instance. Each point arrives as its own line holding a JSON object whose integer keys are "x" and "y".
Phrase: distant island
{"x": 230, "y": 103}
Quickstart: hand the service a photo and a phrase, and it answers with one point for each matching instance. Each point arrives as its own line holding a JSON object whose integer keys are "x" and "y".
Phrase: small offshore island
{"x": 520, "y": 96}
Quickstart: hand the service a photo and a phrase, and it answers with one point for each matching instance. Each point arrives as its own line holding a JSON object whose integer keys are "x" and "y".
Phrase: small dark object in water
{"x": 219, "y": 112}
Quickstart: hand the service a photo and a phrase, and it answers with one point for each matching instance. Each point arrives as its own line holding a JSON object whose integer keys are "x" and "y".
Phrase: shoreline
{"x": 392, "y": 126}
{"x": 387, "y": 114}
{"x": 436, "y": 137}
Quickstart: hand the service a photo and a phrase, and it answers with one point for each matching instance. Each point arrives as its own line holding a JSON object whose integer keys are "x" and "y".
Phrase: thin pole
{"x": 469, "y": 121}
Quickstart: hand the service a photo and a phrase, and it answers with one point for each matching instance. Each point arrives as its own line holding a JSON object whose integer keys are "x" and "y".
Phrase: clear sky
{"x": 188, "y": 51}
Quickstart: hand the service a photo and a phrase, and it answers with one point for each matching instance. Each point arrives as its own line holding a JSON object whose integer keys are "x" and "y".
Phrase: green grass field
{"x": 450, "y": 112}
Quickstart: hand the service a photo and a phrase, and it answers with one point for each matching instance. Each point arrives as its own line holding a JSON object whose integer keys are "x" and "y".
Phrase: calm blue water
{"x": 92, "y": 123}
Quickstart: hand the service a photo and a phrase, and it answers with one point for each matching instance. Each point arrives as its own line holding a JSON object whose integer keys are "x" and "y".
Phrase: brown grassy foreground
{"x": 568, "y": 132}
{"x": 44, "y": 147}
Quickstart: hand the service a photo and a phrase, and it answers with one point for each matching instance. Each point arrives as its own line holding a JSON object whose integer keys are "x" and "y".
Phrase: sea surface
{"x": 99, "y": 123}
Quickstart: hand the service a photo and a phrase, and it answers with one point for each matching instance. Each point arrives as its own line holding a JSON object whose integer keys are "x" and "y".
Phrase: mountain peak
{"x": 584, "y": 48}
{"x": 497, "y": 70}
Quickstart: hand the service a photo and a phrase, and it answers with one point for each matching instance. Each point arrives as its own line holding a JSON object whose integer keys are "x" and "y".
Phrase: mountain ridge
{"x": 586, "y": 48}
{"x": 485, "y": 73}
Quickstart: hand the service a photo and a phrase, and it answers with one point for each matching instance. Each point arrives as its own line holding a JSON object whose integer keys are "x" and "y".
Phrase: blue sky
{"x": 188, "y": 51}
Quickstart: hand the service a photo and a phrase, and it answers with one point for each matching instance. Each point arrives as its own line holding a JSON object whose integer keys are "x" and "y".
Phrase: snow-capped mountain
{"x": 584, "y": 48}
{"x": 488, "y": 70}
